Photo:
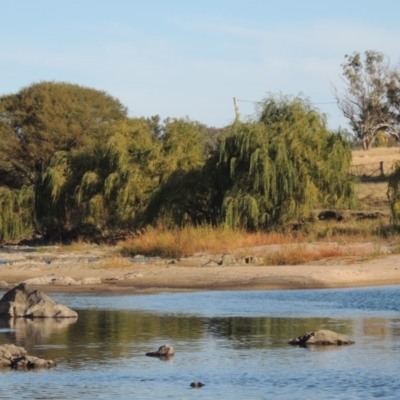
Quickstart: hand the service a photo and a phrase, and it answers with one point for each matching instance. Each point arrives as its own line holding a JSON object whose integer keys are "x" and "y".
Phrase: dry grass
{"x": 114, "y": 262}
{"x": 189, "y": 240}
{"x": 296, "y": 248}
{"x": 373, "y": 195}
{"x": 296, "y": 255}
{"x": 373, "y": 157}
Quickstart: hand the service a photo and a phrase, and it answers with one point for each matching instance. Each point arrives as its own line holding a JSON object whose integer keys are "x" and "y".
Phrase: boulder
{"x": 164, "y": 351}
{"x": 21, "y": 302}
{"x": 17, "y": 358}
{"x": 322, "y": 337}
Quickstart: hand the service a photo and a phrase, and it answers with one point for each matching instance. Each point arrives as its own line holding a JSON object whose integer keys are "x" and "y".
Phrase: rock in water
{"x": 21, "y": 302}
{"x": 163, "y": 351}
{"x": 17, "y": 358}
{"x": 322, "y": 337}
{"x": 197, "y": 385}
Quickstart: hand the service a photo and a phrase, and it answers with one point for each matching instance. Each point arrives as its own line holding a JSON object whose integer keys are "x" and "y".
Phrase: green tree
{"x": 280, "y": 168}
{"x": 17, "y": 213}
{"x": 47, "y": 117}
{"x": 183, "y": 146}
{"x": 102, "y": 189}
{"x": 182, "y": 196}
{"x": 371, "y": 98}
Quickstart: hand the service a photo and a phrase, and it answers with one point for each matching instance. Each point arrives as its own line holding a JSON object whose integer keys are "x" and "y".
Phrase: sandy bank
{"x": 195, "y": 273}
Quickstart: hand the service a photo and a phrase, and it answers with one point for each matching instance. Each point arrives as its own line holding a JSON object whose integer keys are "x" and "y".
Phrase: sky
{"x": 190, "y": 58}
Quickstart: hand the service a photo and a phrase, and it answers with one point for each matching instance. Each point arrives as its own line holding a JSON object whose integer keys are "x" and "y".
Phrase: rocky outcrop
{"x": 322, "y": 337}
{"x": 17, "y": 358}
{"x": 21, "y": 302}
{"x": 164, "y": 351}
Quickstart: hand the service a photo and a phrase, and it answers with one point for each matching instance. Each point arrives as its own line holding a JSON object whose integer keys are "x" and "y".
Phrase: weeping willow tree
{"x": 102, "y": 189}
{"x": 281, "y": 167}
{"x": 394, "y": 195}
{"x": 16, "y": 213}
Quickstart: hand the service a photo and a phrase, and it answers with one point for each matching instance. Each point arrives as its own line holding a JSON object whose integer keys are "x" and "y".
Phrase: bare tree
{"x": 371, "y": 101}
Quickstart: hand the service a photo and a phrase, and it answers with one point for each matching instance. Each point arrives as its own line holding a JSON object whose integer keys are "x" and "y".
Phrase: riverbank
{"x": 76, "y": 271}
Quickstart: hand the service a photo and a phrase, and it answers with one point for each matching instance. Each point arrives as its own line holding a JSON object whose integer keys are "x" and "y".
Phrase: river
{"x": 236, "y": 343}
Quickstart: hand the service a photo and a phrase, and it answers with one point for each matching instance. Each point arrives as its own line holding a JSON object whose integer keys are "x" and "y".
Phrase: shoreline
{"x": 124, "y": 277}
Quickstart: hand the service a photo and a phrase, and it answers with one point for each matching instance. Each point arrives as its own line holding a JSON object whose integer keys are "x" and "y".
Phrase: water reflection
{"x": 103, "y": 335}
{"x": 29, "y": 332}
{"x": 236, "y": 343}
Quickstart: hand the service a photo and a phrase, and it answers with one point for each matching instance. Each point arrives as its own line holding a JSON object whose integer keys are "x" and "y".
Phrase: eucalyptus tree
{"x": 371, "y": 97}
{"x": 279, "y": 168}
{"x": 101, "y": 189}
{"x": 47, "y": 117}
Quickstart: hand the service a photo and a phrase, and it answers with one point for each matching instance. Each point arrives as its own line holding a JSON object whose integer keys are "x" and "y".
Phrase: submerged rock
{"x": 164, "y": 351}
{"x": 17, "y": 358}
{"x": 21, "y": 302}
{"x": 322, "y": 337}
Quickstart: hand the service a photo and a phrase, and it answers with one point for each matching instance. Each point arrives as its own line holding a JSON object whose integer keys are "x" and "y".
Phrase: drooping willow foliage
{"x": 73, "y": 164}
{"x": 281, "y": 167}
{"x": 394, "y": 195}
{"x": 16, "y": 213}
{"x": 100, "y": 189}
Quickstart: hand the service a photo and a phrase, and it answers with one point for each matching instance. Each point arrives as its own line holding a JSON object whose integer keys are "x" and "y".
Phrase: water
{"x": 234, "y": 342}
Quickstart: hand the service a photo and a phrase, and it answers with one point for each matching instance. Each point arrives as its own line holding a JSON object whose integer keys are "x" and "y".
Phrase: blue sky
{"x": 180, "y": 58}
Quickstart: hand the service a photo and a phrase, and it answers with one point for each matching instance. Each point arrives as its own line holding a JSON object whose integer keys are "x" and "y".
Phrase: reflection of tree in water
{"x": 264, "y": 332}
{"x": 98, "y": 335}
{"x": 27, "y": 332}
{"x": 101, "y": 335}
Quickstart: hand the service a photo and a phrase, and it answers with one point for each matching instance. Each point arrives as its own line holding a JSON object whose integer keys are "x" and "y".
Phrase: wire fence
{"x": 369, "y": 171}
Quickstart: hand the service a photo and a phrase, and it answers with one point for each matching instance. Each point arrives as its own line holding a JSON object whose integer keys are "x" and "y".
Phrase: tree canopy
{"x": 101, "y": 188}
{"x": 73, "y": 164}
{"x": 371, "y": 100}
{"x": 47, "y": 117}
{"x": 279, "y": 168}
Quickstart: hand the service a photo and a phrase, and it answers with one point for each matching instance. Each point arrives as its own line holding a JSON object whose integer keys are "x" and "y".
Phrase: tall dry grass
{"x": 300, "y": 254}
{"x": 338, "y": 238}
{"x": 190, "y": 240}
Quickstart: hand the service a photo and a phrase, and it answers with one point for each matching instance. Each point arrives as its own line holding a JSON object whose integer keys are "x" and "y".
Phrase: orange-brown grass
{"x": 295, "y": 255}
{"x": 189, "y": 240}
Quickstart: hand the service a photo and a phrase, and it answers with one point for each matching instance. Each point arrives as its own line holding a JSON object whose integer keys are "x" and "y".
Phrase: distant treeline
{"x": 73, "y": 164}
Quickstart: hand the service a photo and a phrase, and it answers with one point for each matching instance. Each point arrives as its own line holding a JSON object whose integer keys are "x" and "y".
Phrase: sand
{"x": 200, "y": 272}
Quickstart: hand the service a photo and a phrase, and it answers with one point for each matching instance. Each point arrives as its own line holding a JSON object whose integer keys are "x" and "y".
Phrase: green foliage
{"x": 184, "y": 195}
{"x": 16, "y": 213}
{"x": 103, "y": 188}
{"x": 183, "y": 147}
{"x": 394, "y": 195}
{"x": 280, "y": 168}
{"x": 47, "y": 117}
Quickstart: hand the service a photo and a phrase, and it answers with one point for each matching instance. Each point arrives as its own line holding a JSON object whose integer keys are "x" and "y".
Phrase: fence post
{"x": 382, "y": 172}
